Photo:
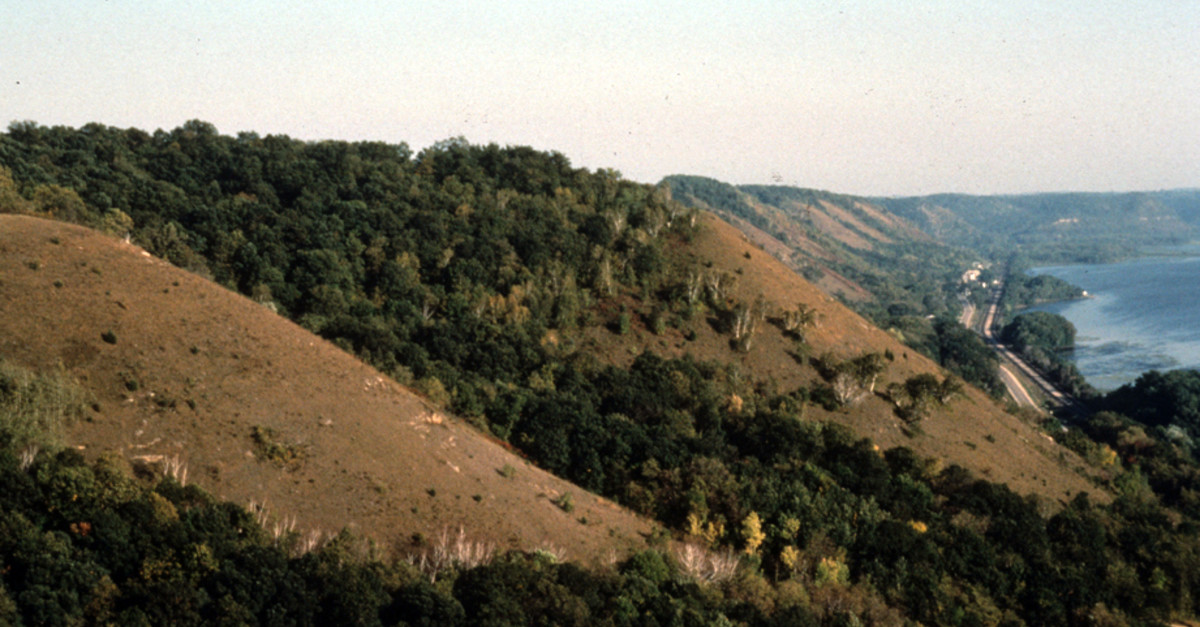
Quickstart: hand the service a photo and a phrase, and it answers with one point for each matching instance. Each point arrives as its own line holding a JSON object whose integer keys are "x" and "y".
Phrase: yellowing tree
{"x": 11, "y": 200}
{"x": 790, "y": 558}
{"x": 752, "y": 533}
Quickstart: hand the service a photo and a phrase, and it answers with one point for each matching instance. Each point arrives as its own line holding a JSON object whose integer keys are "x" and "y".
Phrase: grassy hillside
{"x": 848, "y": 246}
{"x": 650, "y": 354}
{"x": 255, "y": 408}
{"x": 83, "y": 542}
{"x": 486, "y": 277}
{"x": 511, "y": 362}
{"x": 973, "y": 431}
{"x": 886, "y": 269}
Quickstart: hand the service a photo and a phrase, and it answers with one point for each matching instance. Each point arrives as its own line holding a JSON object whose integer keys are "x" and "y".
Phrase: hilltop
{"x": 260, "y": 410}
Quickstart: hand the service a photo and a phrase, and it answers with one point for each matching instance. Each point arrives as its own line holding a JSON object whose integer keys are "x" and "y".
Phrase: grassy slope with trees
{"x": 462, "y": 269}
{"x": 902, "y": 269}
{"x": 184, "y": 371}
{"x": 85, "y": 541}
{"x": 911, "y": 282}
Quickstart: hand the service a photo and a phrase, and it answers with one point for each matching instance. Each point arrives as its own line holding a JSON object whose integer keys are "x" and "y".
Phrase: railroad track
{"x": 1055, "y": 397}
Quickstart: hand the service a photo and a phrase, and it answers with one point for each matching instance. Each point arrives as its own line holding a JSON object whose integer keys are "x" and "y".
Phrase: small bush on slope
{"x": 35, "y": 407}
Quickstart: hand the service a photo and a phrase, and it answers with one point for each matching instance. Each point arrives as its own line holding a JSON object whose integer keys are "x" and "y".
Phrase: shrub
{"x": 434, "y": 390}
{"x": 270, "y": 449}
{"x": 648, "y": 564}
{"x": 34, "y": 408}
{"x": 623, "y": 323}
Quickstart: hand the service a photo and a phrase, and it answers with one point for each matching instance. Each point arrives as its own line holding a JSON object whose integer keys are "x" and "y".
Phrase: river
{"x": 1141, "y": 315}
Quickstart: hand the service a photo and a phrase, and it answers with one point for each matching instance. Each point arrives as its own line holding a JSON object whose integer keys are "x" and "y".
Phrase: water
{"x": 1142, "y": 315}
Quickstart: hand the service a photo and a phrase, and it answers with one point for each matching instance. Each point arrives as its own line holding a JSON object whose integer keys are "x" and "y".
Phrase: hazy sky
{"x": 856, "y": 97}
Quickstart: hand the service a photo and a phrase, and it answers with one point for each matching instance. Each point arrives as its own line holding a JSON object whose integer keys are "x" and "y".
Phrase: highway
{"x": 1011, "y": 360}
{"x": 968, "y": 313}
{"x": 1015, "y": 389}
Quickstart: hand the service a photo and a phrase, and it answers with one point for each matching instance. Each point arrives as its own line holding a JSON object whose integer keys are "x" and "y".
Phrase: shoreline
{"x": 1145, "y": 323}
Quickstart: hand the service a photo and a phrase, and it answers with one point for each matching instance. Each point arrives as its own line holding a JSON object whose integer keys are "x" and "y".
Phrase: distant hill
{"x": 260, "y": 410}
{"x": 1056, "y": 227}
{"x": 848, "y": 246}
{"x": 856, "y": 245}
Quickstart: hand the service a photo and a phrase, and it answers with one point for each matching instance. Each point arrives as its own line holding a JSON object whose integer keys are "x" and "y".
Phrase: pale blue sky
{"x": 854, "y": 97}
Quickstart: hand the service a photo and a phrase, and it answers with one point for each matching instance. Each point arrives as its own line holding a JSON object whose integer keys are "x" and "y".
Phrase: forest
{"x": 452, "y": 270}
{"x": 1161, "y": 399}
{"x": 1022, "y": 290}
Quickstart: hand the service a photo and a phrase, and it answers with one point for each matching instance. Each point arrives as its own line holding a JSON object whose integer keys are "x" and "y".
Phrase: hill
{"x": 647, "y": 352}
{"x": 974, "y": 431}
{"x": 484, "y": 275}
{"x": 898, "y": 277}
{"x": 258, "y": 409}
{"x": 1059, "y": 227}
{"x": 848, "y": 246}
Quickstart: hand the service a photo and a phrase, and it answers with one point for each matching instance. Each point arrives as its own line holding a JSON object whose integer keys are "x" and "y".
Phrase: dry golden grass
{"x": 182, "y": 369}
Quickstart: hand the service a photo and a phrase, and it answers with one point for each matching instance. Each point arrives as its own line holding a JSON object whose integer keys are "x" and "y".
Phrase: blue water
{"x": 1142, "y": 315}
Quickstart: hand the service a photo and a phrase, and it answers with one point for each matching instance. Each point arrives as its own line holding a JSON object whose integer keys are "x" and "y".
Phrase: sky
{"x": 869, "y": 98}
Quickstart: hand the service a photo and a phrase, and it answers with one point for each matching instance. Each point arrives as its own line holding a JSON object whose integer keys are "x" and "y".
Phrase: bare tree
{"x": 800, "y": 319}
{"x": 429, "y": 307}
{"x": 617, "y": 219}
{"x": 654, "y": 222}
{"x": 746, "y": 318}
{"x": 694, "y": 286}
{"x": 851, "y": 379}
{"x": 701, "y": 565}
{"x": 718, "y": 284}
{"x": 846, "y": 388}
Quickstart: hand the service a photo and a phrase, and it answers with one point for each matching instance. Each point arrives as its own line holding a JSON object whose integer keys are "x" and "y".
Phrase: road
{"x": 1015, "y": 388}
{"x": 968, "y": 312}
